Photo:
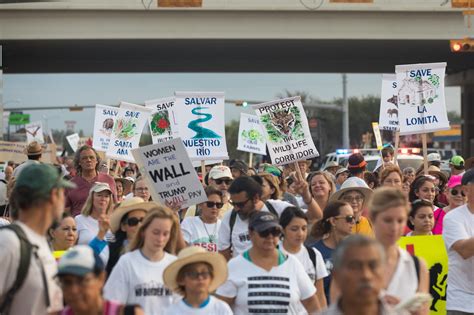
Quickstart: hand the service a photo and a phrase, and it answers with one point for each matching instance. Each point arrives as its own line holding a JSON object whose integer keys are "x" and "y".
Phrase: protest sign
{"x": 201, "y": 124}
{"x": 421, "y": 102}
{"x": 16, "y": 151}
{"x": 162, "y": 122}
{"x": 378, "y": 137}
{"x": 169, "y": 171}
{"x": 128, "y": 127}
{"x": 388, "y": 118}
{"x": 206, "y": 163}
{"x": 251, "y": 136}
{"x": 103, "y": 126}
{"x": 286, "y": 127}
{"x": 34, "y": 132}
{"x": 431, "y": 248}
{"x": 73, "y": 141}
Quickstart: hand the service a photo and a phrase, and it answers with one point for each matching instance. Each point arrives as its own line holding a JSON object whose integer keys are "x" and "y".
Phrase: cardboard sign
{"x": 15, "y": 151}
{"x": 201, "y": 124}
{"x": 169, "y": 172}
{"x": 34, "y": 132}
{"x": 431, "y": 248}
{"x": 378, "y": 137}
{"x": 421, "y": 102}
{"x": 162, "y": 122}
{"x": 103, "y": 126}
{"x": 128, "y": 127}
{"x": 251, "y": 136}
{"x": 73, "y": 141}
{"x": 388, "y": 118}
{"x": 286, "y": 127}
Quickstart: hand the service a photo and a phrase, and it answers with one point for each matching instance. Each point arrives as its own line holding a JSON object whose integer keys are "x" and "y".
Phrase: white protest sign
{"x": 286, "y": 127}
{"x": 162, "y": 122}
{"x": 378, "y": 137}
{"x": 128, "y": 127}
{"x": 206, "y": 163}
{"x": 103, "y": 126}
{"x": 34, "y": 132}
{"x": 201, "y": 124}
{"x": 421, "y": 102}
{"x": 73, "y": 141}
{"x": 388, "y": 119}
{"x": 251, "y": 136}
{"x": 168, "y": 170}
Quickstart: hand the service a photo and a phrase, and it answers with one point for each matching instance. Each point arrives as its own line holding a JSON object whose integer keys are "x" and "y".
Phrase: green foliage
{"x": 434, "y": 79}
{"x": 454, "y": 117}
{"x": 275, "y": 135}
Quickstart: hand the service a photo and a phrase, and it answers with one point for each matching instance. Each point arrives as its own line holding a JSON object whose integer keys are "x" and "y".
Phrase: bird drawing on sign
{"x": 33, "y": 133}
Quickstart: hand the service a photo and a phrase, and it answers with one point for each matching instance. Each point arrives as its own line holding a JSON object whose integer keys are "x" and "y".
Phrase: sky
{"x": 38, "y": 90}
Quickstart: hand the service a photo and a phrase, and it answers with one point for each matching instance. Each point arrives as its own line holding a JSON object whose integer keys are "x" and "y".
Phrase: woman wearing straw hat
{"x": 124, "y": 223}
{"x": 355, "y": 192}
{"x": 194, "y": 275}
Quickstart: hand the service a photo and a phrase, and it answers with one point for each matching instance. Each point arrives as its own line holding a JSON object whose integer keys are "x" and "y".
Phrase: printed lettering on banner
{"x": 421, "y": 101}
{"x": 15, "y": 151}
{"x": 431, "y": 248}
{"x": 251, "y": 136}
{"x": 162, "y": 122}
{"x": 286, "y": 128}
{"x": 127, "y": 130}
{"x": 388, "y": 119}
{"x": 73, "y": 141}
{"x": 169, "y": 171}
{"x": 201, "y": 124}
{"x": 103, "y": 126}
{"x": 34, "y": 132}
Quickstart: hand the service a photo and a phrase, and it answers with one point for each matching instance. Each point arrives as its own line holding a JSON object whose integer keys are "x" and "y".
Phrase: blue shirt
{"x": 326, "y": 252}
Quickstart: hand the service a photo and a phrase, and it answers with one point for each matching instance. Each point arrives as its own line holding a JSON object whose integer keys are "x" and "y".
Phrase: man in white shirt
{"x": 33, "y": 151}
{"x": 38, "y": 196}
{"x": 458, "y": 235}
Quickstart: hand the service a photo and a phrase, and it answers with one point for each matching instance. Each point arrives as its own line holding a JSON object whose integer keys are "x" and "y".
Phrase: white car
{"x": 403, "y": 161}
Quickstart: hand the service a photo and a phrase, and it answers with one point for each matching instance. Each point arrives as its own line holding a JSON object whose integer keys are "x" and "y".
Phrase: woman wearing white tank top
{"x": 388, "y": 213}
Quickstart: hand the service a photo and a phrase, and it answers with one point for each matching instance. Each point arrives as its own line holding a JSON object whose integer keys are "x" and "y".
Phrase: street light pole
{"x": 345, "y": 113}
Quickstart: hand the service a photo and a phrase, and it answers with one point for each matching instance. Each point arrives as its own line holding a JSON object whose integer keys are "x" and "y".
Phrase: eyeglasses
{"x": 220, "y": 181}
{"x": 239, "y": 204}
{"x": 353, "y": 198}
{"x": 211, "y": 204}
{"x": 195, "y": 275}
{"x": 454, "y": 192}
{"x": 273, "y": 231}
{"x": 348, "y": 218}
{"x": 134, "y": 221}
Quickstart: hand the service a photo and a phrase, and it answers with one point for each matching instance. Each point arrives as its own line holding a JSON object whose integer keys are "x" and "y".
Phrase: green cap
{"x": 457, "y": 160}
{"x": 41, "y": 178}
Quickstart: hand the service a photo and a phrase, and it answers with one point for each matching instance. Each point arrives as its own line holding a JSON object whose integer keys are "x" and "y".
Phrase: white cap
{"x": 434, "y": 157}
{"x": 220, "y": 171}
{"x": 79, "y": 261}
{"x": 99, "y": 186}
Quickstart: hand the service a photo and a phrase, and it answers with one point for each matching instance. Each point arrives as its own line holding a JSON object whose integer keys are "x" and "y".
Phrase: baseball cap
{"x": 434, "y": 157}
{"x": 220, "y": 171}
{"x": 99, "y": 187}
{"x": 457, "y": 160}
{"x": 79, "y": 261}
{"x": 356, "y": 160}
{"x": 468, "y": 177}
{"x": 262, "y": 221}
{"x": 239, "y": 165}
{"x": 331, "y": 164}
{"x": 454, "y": 180}
{"x": 41, "y": 178}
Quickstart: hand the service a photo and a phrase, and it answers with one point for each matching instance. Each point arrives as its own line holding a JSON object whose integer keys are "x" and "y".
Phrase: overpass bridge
{"x": 86, "y": 36}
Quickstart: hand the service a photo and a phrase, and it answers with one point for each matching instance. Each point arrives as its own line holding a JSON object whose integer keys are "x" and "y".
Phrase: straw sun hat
{"x": 128, "y": 205}
{"x": 353, "y": 184}
{"x": 196, "y": 254}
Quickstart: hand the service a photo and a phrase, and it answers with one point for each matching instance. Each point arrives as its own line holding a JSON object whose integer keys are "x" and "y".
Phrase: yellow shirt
{"x": 363, "y": 227}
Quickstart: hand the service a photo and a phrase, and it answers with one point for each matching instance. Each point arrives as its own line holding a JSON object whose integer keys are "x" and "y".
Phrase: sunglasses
{"x": 348, "y": 218}
{"x": 226, "y": 181}
{"x": 454, "y": 192}
{"x": 273, "y": 231}
{"x": 239, "y": 204}
{"x": 195, "y": 275}
{"x": 133, "y": 221}
{"x": 211, "y": 204}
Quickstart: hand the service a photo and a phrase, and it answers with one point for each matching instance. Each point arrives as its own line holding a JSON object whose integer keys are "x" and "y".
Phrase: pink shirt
{"x": 110, "y": 308}
{"x": 438, "y": 225}
{"x": 76, "y": 197}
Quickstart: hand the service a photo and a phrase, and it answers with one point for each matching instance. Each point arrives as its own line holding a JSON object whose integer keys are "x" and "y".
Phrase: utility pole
{"x": 345, "y": 113}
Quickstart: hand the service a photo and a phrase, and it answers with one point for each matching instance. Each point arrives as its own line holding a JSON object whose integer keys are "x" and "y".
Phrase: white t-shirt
{"x": 258, "y": 291}
{"x": 87, "y": 229}
{"x": 314, "y": 274}
{"x": 215, "y": 306}
{"x": 458, "y": 224}
{"x": 404, "y": 282}
{"x": 198, "y": 233}
{"x": 137, "y": 280}
{"x": 240, "y": 233}
{"x": 22, "y": 166}
{"x": 30, "y": 298}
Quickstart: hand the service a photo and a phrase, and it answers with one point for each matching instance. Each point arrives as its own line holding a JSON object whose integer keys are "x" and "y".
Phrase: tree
{"x": 454, "y": 117}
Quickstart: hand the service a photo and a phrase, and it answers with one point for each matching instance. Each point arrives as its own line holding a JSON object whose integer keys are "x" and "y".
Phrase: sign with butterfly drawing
{"x": 34, "y": 132}
{"x": 286, "y": 127}
{"x": 251, "y": 138}
{"x": 388, "y": 119}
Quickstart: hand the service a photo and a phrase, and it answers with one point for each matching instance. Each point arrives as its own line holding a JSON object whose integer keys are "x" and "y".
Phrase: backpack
{"x": 233, "y": 217}
{"x": 26, "y": 248}
{"x": 312, "y": 256}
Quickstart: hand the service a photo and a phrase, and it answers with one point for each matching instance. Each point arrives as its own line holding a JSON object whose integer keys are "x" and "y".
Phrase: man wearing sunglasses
{"x": 458, "y": 235}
